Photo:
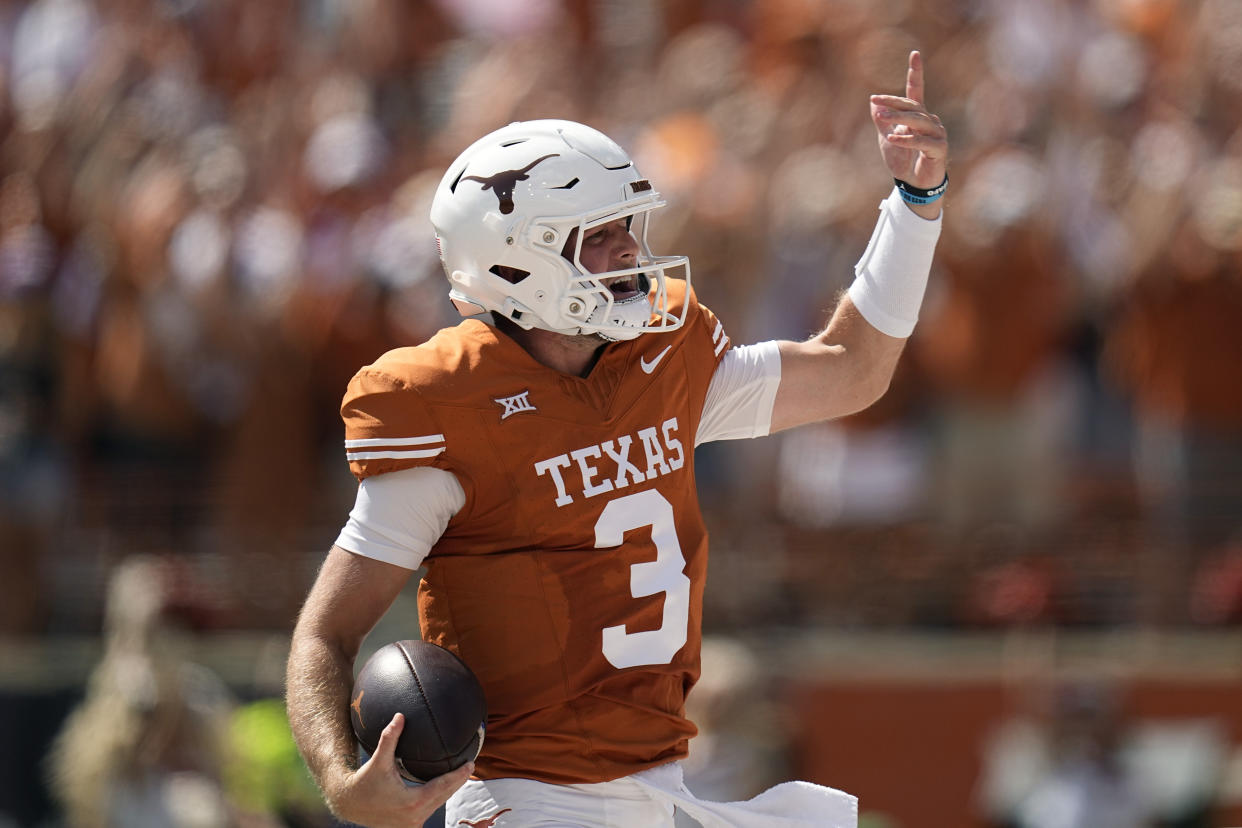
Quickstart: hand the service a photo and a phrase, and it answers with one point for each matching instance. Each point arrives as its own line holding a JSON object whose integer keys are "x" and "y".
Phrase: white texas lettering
{"x": 655, "y": 454}
{"x": 553, "y": 466}
{"x": 674, "y": 445}
{"x": 621, "y": 456}
{"x": 589, "y": 488}
{"x": 663, "y": 450}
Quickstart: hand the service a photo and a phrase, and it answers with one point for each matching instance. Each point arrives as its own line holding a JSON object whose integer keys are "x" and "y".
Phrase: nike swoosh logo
{"x": 651, "y": 366}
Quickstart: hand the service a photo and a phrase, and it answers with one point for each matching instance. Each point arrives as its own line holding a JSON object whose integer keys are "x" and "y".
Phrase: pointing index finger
{"x": 914, "y": 77}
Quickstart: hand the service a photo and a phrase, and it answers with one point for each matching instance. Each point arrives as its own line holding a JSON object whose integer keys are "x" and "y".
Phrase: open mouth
{"x": 625, "y": 287}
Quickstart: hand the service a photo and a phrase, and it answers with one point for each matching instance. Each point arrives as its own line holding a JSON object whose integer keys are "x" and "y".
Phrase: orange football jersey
{"x": 572, "y": 579}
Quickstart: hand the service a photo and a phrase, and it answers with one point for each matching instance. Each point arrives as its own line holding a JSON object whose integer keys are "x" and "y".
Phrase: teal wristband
{"x": 914, "y": 195}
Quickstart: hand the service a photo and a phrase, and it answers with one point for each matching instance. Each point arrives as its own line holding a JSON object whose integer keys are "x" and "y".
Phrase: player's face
{"x": 608, "y": 247}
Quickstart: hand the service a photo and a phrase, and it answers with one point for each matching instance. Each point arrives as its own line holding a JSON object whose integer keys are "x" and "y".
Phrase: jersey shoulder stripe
{"x": 719, "y": 338}
{"x": 433, "y": 444}
{"x": 395, "y": 441}
{"x": 700, "y": 319}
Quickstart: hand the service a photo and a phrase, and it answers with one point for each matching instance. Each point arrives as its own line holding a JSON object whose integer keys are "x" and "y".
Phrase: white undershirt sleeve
{"x": 398, "y": 516}
{"x": 741, "y": 395}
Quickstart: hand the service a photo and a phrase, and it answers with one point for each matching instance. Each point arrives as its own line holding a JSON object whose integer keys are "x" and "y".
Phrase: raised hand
{"x": 377, "y": 796}
{"x": 913, "y": 142}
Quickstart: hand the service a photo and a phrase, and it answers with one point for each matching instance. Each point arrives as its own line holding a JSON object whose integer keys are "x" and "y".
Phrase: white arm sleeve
{"x": 397, "y": 517}
{"x": 741, "y": 395}
{"x": 891, "y": 276}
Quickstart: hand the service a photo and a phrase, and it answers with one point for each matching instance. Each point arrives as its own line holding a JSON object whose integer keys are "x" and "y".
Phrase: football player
{"x": 539, "y": 464}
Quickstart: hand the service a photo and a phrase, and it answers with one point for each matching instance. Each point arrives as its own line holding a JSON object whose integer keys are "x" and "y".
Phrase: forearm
{"x": 840, "y": 371}
{"x": 317, "y": 686}
{"x": 874, "y": 354}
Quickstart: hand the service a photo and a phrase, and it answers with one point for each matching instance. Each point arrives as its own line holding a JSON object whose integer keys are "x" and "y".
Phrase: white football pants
{"x": 642, "y": 800}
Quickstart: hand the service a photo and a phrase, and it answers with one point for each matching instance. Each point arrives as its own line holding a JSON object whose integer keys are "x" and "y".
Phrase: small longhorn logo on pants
{"x": 485, "y": 823}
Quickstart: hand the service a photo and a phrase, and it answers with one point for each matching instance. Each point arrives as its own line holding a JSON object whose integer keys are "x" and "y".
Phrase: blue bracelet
{"x": 914, "y": 195}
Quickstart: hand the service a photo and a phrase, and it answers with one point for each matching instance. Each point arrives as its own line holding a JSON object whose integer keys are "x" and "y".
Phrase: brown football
{"x": 445, "y": 712}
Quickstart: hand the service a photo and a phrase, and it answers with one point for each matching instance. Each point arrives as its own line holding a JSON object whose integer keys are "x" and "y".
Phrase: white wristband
{"x": 891, "y": 276}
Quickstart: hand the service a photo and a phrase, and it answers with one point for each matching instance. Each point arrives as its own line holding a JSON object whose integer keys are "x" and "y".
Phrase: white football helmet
{"x": 514, "y": 198}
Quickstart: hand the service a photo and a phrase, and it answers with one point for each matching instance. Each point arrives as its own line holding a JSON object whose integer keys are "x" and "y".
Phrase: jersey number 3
{"x": 665, "y": 574}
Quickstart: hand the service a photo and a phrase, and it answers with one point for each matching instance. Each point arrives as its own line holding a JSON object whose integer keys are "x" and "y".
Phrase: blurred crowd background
{"x": 212, "y": 212}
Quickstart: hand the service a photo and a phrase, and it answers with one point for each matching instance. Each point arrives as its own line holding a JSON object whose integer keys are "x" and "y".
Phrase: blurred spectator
{"x": 1072, "y": 757}
{"x": 32, "y": 463}
{"x": 145, "y": 746}
{"x": 1175, "y": 338}
{"x": 992, "y": 347}
{"x": 1058, "y": 765}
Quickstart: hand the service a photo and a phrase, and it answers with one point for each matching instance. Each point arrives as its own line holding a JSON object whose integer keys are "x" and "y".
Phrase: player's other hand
{"x": 913, "y": 142}
{"x": 377, "y": 796}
